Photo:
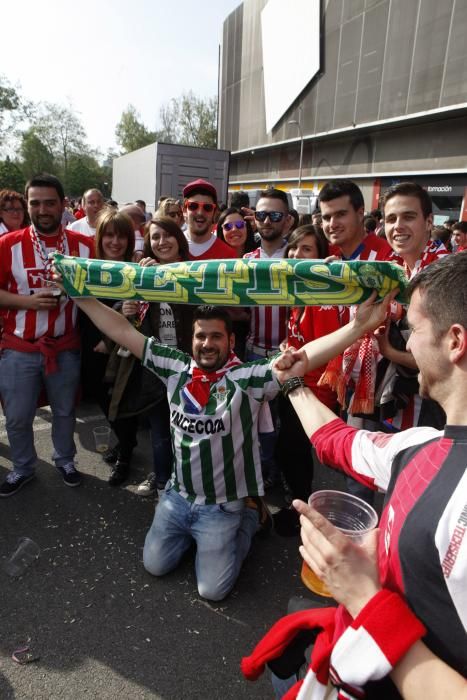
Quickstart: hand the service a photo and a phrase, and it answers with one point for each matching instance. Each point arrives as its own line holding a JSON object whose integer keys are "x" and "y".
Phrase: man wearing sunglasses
{"x": 268, "y": 325}
{"x": 199, "y": 208}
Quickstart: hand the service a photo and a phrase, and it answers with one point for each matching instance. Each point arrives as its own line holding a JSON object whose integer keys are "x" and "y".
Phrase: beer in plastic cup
{"x": 350, "y": 514}
{"x": 102, "y": 438}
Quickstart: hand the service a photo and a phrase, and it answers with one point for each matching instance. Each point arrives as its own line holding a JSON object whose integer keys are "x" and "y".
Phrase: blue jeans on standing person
{"x": 222, "y": 532}
{"x": 22, "y": 376}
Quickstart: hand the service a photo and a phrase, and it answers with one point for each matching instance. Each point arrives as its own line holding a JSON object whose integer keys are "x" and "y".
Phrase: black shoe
{"x": 119, "y": 473}
{"x": 71, "y": 476}
{"x": 13, "y": 483}
{"x": 287, "y": 522}
{"x": 111, "y": 456}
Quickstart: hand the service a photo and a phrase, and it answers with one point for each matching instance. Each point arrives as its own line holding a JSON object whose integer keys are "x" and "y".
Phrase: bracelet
{"x": 291, "y": 384}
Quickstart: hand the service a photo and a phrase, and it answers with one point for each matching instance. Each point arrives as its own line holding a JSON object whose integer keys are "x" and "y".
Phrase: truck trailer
{"x": 163, "y": 169}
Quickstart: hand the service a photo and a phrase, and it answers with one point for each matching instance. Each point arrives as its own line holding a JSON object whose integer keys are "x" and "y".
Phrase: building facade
{"x": 389, "y": 100}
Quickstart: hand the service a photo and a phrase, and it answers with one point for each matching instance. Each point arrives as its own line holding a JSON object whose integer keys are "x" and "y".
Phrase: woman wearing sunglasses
{"x": 236, "y": 231}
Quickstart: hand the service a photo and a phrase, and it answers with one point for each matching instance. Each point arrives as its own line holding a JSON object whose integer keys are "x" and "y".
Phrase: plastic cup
{"x": 350, "y": 514}
{"x": 102, "y": 438}
{"x": 25, "y": 554}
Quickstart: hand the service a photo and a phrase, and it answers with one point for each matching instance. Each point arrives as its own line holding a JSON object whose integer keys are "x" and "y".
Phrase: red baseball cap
{"x": 200, "y": 186}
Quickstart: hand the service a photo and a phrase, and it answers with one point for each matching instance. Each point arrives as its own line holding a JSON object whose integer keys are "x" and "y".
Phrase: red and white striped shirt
{"x": 268, "y": 326}
{"x": 22, "y": 271}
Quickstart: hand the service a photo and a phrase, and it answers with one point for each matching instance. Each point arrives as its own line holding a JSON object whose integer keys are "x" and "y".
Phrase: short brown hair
{"x": 444, "y": 292}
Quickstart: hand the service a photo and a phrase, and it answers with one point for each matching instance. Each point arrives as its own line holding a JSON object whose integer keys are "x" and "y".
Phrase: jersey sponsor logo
{"x": 35, "y": 277}
{"x": 455, "y": 543}
{"x": 199, "y": 425}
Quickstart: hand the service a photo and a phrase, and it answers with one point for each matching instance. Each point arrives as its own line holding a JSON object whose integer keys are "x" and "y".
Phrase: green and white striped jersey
{"x": 216, "y": 452}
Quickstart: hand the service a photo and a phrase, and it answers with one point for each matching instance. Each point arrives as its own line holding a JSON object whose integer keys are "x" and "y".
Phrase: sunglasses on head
{"x": 233, "y": 224}
{"x": 274, "y": 216}
{"x": 194, "y": 206}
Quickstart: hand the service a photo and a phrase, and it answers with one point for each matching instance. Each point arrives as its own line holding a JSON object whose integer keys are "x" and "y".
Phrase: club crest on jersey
{"x": 221, "y": 394}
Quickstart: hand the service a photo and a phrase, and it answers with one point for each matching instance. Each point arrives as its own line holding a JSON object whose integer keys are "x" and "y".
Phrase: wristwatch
{"x": 291, "y": 384}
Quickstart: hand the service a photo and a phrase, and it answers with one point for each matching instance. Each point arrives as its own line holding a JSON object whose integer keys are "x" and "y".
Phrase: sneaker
{"x": 13, "y": 482}
{"x": 119, "y": 473}
{"x": 148, "y": 487}
{"x": 265, "y": 518}
{"x": 71, "y": 475}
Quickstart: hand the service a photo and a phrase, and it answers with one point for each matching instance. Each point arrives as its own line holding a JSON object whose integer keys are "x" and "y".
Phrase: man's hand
{"x": 45, "y": 300}
{"x": 349, "y": 570}
{"x": 371, "y": 313}
{"x": 292, "y": 363}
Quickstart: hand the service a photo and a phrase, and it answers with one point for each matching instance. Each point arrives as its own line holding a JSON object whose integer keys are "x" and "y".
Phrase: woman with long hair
{"x": 294, "y": 451}
{"x": 236, "y": 231}
{"x": 170, "y": 324}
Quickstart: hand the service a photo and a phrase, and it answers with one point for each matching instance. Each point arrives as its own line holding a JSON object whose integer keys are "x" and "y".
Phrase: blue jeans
{"x": 22, "y": 375}
{"x": 159, "y": 420}
{"x": 222, "y": 533}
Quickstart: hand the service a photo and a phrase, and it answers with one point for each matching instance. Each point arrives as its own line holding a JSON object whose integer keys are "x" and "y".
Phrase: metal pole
{"x": 301, "y": 159}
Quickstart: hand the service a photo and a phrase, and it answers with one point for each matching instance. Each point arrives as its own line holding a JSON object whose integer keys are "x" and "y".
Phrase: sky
{"x": 101, "y": 56}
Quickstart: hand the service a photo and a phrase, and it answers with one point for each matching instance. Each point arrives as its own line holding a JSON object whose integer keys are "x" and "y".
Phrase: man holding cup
{"x": 400, "y": 630}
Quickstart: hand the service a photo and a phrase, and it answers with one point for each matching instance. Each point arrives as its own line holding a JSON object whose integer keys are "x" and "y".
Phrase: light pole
{"x": 297, "y": 124}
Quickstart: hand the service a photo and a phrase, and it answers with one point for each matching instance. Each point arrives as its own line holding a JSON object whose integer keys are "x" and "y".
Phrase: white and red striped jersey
{"x": 422, "y": 551}
{"x": 22, "y": 271}
{"x": 268, "y": 325}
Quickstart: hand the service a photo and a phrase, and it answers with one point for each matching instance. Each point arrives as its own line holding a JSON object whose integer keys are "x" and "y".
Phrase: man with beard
{"x": 40, "y": 343}
{"x": 268, "y": 324}
{"x": 199, "y": 208}
{"x": 213, "y": 493}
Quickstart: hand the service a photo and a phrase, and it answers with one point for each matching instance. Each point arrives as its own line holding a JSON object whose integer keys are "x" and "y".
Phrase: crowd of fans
{"x": 229, "y": 420}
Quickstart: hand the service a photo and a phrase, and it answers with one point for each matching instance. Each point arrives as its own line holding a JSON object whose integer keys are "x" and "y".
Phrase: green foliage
{"x": 192, "y": 120}
{"x": 11, "y": 176}
{"x": 35, "y": 156}
{"x": 187, "y": 120}
{"x": 131, "y": 133}
{"x": 10, "y": 107}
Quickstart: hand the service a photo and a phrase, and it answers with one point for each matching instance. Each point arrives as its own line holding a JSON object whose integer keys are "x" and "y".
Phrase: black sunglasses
{"x": 274, "y": 216}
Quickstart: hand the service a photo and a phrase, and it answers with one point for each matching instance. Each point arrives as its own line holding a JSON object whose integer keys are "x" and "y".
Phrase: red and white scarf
{"x": 196, "y": 393}
{"x": 338, "y": 373}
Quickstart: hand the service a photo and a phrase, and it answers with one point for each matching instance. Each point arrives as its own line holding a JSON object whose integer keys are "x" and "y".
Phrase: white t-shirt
{"x": 82, "y": 226}
{"x": 167, "y": 332}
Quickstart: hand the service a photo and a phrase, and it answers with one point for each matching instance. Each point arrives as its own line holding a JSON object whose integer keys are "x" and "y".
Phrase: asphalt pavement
{"x": 100, "y": 626}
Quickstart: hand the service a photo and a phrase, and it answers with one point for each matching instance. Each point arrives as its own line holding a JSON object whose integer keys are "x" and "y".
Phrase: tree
{"x": 85, "y": 172}
{"x": 61, "y": 132}
{"x": 10, "y": 107}
{"x": 131, "y": 133}
{"x": 11, "y": 176}
{"x": 35, "y": 156}
{"x": 190, "y": 120}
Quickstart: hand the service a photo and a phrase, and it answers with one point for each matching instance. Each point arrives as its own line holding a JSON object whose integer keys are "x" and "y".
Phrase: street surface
{"x": 101, "y": 626}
